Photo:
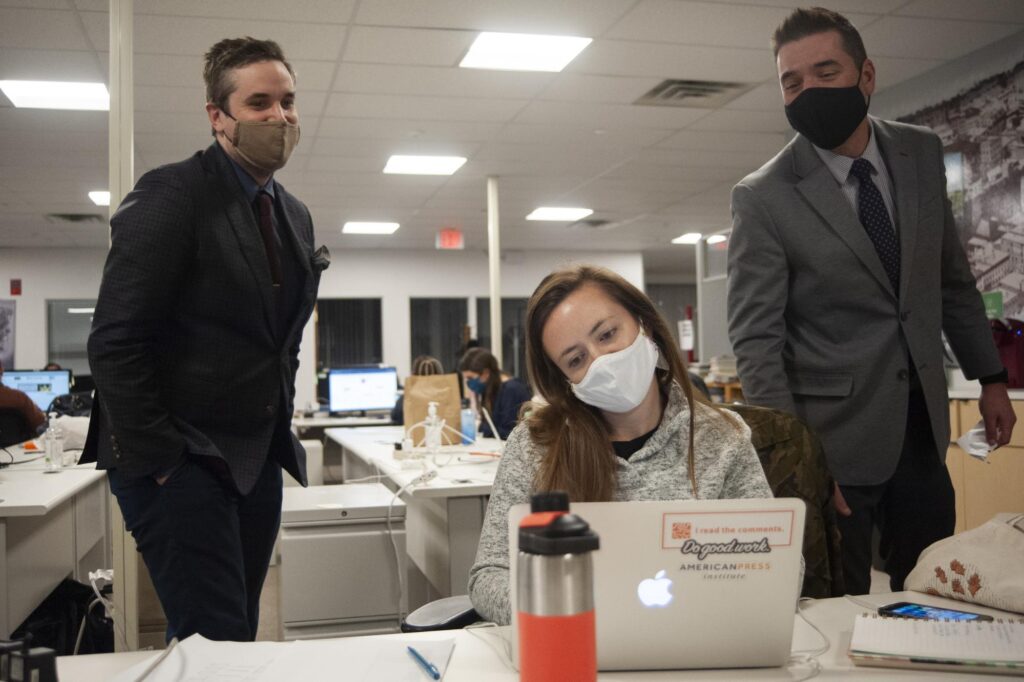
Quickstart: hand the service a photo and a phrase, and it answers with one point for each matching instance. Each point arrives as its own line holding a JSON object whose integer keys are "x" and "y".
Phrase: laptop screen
{"x": 362, "y": 389}
{"x": 41, "y": 386}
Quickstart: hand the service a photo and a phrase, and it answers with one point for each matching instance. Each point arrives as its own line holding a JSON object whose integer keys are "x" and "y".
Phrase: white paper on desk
{"x": 975, "y": 443}
{"x": 357, "y": 659}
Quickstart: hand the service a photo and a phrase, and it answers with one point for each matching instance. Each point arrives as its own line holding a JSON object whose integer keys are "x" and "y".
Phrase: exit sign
{"x": 450, "y": 238}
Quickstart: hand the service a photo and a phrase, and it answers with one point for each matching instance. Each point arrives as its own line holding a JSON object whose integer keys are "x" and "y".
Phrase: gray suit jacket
{"x": 814, "y": 322}
{"x": 186, "y": 348}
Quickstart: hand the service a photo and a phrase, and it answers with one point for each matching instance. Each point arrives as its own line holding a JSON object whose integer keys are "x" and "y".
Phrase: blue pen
{"x": 425, "y": 664}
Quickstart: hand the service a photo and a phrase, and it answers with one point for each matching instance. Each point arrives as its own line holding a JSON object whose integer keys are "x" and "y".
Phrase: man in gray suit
{"x": 844, "y": 269}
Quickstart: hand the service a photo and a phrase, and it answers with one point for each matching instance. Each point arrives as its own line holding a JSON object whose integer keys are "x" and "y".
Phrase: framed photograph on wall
{"x": 7, "y": 333}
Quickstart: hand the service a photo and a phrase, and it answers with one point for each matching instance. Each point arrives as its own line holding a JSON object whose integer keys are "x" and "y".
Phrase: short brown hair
{"x": 805, "y": 22}
{"x": 230, "y": 54}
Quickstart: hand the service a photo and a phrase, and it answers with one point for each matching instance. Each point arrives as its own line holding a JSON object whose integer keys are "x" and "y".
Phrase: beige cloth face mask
{"x": 265, "y": 145}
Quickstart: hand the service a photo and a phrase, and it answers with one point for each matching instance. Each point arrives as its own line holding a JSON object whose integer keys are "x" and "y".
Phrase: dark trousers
{"x": 913, "y": 509}
{"x": 207, "y": 548}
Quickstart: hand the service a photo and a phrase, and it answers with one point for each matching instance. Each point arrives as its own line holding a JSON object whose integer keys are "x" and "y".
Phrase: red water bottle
{"x": 555, "y": 586}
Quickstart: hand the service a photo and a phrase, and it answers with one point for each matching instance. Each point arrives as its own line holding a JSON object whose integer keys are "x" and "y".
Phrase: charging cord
{"x": 157, "y": 661}
{"x": 107, "y": 575}
{"x": 422, "y": 479}
{"x": 503, "y": 647}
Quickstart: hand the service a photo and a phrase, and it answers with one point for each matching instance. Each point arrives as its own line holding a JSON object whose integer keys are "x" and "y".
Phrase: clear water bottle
{"x": 468, "y": 423}
{"x": 555, "y": 609}
{"x": 53, "y": 440}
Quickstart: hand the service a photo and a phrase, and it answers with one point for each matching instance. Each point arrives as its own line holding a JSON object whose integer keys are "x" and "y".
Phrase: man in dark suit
{"x": 844, "y": 269}
{"x": 210, "y": 278}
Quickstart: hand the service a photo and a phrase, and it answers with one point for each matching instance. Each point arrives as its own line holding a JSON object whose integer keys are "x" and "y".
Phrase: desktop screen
{"x": 360, "y": 389}
{"x": 41, "y": 386}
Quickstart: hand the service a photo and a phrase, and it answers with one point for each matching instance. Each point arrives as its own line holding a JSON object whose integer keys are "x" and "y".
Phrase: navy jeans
{"x": 207, "y": 548}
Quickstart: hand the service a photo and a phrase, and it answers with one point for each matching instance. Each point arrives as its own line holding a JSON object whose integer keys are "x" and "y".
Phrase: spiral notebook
{"x": 995, "y": 647}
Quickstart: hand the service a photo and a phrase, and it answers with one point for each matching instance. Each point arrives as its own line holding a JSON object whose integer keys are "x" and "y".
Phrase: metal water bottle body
{"x": 555, "y": 593}
{"x": 557, "y": 636}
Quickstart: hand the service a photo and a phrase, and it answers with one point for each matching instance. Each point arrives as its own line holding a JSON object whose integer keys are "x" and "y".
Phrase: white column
{"x": 121, "y": 176}
{"x": 494, "y": 251}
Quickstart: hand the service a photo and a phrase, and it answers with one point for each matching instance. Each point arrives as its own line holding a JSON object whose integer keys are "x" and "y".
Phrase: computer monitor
{"x": 362, "y": 389}
{"x": 42, "y": 386}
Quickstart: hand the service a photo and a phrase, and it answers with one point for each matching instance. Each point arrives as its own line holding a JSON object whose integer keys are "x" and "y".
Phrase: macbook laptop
{"x": 689, "y": 584}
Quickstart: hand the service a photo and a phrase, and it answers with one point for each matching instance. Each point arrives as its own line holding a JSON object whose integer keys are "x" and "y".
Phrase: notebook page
{"x": 1001, "y": 641}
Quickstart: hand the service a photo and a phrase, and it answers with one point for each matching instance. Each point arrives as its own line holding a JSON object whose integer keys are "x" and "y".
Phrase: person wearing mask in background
{"x": 210, "y": 279}
{"x": 845, "y": 268}
{"x": 498, "y": 393}
{"x": 621, "y": 420}
{"x": 422, "y": 366}
{"x": 17, "y": 401}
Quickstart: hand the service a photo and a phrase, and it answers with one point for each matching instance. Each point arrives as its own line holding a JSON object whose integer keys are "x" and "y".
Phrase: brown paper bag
{"x": 443, "y": 389}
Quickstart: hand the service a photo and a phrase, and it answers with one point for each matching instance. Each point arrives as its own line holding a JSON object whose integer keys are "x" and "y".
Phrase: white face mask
{"x": 619, "y": 381}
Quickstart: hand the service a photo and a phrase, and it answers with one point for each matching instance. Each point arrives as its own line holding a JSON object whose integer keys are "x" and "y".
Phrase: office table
{"x": 475, "y": 660}
{"x": 52, "y": 526}
{"x": 444, "y": 516}
{"x": 312, "y": 428}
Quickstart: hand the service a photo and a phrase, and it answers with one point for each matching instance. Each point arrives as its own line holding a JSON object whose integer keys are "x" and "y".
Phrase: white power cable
{"x": 419, "y": 480}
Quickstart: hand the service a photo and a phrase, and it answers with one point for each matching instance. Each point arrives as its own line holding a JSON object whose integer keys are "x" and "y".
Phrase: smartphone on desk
{"x": 906, "y": 609}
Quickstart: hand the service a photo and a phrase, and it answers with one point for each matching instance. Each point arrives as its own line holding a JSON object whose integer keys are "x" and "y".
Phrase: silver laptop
{"x": 689, "y": 584}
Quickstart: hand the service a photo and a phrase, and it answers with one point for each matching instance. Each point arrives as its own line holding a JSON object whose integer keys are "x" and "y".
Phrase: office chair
{"x": 13, "y": 428}
{"x": 794, "y": 464}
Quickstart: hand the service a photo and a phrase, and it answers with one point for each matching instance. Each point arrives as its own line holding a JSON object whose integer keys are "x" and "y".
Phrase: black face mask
{"x": 827, "y": 116}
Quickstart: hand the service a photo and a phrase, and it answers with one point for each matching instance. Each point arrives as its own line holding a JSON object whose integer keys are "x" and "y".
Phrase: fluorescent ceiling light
{"x": 688, "y": 238}
{"x": 81, "y": 311}
{"x": 424, "y": 165}
{"x": 522, "y": 52}
{"x": 554, "y": 213}
{"x": 369, "y": 228}
{"x": 717, "y": 239}
{"x": 57, "y": 95}
{"x": 100, "y": 198}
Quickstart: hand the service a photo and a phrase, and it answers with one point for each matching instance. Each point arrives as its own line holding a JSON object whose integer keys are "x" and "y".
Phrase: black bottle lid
{"x": 554, "y": 500}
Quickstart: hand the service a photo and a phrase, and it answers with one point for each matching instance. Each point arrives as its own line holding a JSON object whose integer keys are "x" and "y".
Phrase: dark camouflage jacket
{"x": 795, "y": 466}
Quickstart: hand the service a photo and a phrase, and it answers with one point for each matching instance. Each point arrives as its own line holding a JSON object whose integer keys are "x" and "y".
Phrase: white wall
{"x": 45, "y": 274}
{"x": 394, "y": 276}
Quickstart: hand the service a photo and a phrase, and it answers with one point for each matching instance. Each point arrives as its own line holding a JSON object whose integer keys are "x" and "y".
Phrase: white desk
{"x": 444, "y": 516}
{"x": 474, "y": 661}
{"x": 52, "y": 526}
{"x": 312, "y": 428}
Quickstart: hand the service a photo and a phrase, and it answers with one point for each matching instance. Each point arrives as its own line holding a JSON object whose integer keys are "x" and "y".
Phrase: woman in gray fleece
{"x": 617, "y": 423}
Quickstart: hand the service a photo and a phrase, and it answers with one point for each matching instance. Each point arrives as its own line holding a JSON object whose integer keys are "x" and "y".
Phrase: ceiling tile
{"x": 662, "y": 60}
{"x": 428, "y": 108}
{"x": 434, "y": 81}
{"x": 412, "y": 46}
{"x": 51, "y": 65}
{"x": 693, "y": 140}
{"x": 930, "y": 38}
{"x": 567, "y": 17}
{"x": 41, "y": 29}
{"x": 579, "y": 87}
{"x": 408, "y": 129}
{"x": 603, "y": 116}
{"x": 1009, "y": 11}
{"x": 315, "y": 11}
{"x": 185, "y": 36}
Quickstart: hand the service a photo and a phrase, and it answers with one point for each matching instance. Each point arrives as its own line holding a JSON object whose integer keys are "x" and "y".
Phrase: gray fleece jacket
{"x": 727, "y": 467}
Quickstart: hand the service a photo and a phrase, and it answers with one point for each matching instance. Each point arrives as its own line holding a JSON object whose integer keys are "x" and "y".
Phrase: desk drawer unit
{"x": 338, "y": 570}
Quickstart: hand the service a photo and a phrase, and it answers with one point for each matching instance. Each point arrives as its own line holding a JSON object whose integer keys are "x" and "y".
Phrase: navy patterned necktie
{"x": 265, "y": 207}
{"x": 875, "y": 219}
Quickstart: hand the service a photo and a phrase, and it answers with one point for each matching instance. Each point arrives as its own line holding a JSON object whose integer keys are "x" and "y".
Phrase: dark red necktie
{"x": 266, "y": 208}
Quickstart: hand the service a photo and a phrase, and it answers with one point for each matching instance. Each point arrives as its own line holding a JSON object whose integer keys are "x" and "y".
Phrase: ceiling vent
{"x": 690, "y": 93}
{"x": 74, "y": 218}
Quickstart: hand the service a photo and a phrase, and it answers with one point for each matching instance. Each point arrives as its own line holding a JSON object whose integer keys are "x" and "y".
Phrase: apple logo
{"x": 655, "y": 591}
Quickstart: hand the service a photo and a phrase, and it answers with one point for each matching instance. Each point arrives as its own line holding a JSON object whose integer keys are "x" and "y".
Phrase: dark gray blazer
{"x": 185, "y": 347}
{"x": 815, "y": 325}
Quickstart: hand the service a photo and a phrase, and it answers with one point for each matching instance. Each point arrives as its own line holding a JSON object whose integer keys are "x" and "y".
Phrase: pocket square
{"x": 321, "y": 259}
